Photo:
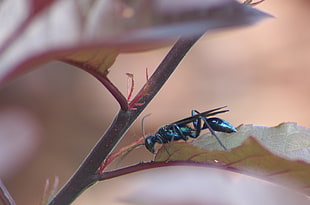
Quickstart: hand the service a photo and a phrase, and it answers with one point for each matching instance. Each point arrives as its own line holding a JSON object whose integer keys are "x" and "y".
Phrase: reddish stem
{"x": 102, "y": 77}
{"x": 149, "y": 165}
{"x": 121, "y": 153}
{"x": 132, "y": 85}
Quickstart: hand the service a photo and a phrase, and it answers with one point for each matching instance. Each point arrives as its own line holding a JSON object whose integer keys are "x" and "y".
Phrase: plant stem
{"x": 87, "y": 175}
{"x": 149, "y": 165}
{"x": 103, "y": 79}
{"x": 5, "y": 196}
{"x": 165, "y": 69}
{"x": 122, "y": 101}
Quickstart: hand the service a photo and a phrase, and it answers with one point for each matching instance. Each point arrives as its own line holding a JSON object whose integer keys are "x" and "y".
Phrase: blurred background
{"x": 58, "y": 112}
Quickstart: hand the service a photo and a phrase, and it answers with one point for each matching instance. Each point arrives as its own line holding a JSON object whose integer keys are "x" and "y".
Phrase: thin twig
{"x": 5, "y": 196}
{"x": 87, "y": 175}
{"x": 132, "y": 85}
{"x": 104, "y": 80}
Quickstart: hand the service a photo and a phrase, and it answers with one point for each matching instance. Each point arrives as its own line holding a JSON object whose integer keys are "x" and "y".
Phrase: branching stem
{"x": 87, "y": 175}
{"x": 104, "y": 80}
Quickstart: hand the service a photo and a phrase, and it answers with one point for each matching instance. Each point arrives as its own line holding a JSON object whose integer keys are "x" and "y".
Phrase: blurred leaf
{"x": 203, "y": 185}
{"x": 158, "y": 20}
{"x": 251, "y": 156}
{"x": 90, "y": 34}
{"x": 19, "y": 136}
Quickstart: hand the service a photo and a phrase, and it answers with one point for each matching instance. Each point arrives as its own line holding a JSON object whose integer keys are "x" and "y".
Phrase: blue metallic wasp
{"x": 180, "y": 130}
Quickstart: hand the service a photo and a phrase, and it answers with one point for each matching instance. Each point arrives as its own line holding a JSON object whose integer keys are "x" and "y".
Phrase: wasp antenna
{"x": 142, "y": 124}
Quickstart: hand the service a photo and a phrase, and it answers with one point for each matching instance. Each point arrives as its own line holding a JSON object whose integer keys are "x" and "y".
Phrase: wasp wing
{"x": 195, "y": 117}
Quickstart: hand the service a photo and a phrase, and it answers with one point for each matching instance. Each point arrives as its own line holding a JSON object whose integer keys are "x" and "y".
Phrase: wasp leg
{"x": 164, "y": 145}
{"x": 196, "y": 124}
{"x": 176, "y": 129}
{"x": 210, "y": 128}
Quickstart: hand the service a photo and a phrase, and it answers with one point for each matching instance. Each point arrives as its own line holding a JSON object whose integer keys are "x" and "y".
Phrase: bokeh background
{"x": 57, "y": 113}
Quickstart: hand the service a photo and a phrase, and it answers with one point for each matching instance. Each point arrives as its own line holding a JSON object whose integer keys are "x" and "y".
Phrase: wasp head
{"x": 150, "y": 143}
